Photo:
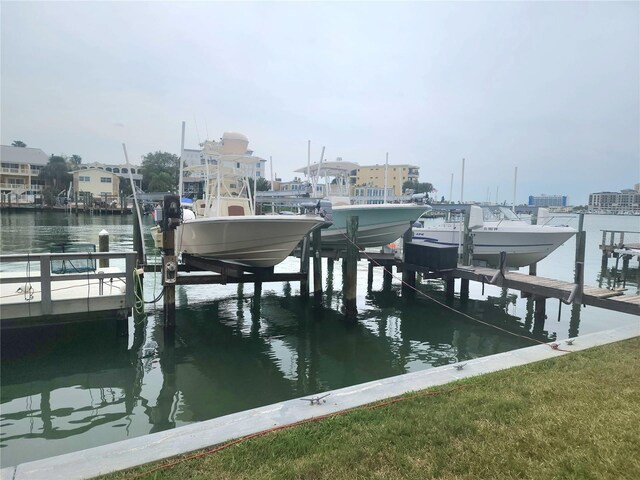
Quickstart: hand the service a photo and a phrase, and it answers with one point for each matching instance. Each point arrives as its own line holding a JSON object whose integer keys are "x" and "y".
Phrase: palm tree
{"x": 18, "y": 143}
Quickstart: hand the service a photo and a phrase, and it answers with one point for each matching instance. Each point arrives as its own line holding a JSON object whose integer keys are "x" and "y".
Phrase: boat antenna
{"x": 515, "y": 181}
{"x": 271, "y": 165}
{"x": 451, "y": 189}
{"x": 318, "y": 175}
{"x": 135, "y": 201}
{"x": 309, "y": 160}
{"x": 206, "y": 128}
{"x": 386, "y": 169}
{"x": 180, "y": 182}
{"x": 462, "y": 184}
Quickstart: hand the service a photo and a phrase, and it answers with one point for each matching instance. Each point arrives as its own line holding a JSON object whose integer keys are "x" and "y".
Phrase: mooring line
{"x": 553, "y": 346}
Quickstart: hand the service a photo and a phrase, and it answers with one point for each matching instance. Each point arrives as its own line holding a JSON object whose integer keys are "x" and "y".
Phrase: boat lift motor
{"x": 171, "y": 212}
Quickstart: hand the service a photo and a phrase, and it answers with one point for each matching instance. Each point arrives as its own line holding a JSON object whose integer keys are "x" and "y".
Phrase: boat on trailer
{"x": 497, "y": 229}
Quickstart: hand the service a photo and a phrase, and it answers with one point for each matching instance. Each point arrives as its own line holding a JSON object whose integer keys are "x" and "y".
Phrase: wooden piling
{"x": 464, "y": 289}
{"x": 467, "y": 239}
{"x": 370, "y": 276}
{"x": 540, "y": 309}
{"x": 581, "y": 242}
{"x": 349, "y": 283}
{"x": 450, "y": 285}
{"x": 317, "y": 266}
{"x": 255, "y": 302}
{"x": 103, "y": 246}
{"x": 408, "y": 276}
{"x": 169, "y": 273}
{"x": 304, "y": 266}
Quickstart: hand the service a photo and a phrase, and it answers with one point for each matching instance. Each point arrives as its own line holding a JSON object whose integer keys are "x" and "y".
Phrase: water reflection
{"x": 224, "y": 357}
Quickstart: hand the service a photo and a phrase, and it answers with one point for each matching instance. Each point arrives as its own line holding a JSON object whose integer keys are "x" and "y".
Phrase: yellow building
{"x": 19, "y": 172}
{"x": 99, "y": 183}
{"x": 373, "y": 176}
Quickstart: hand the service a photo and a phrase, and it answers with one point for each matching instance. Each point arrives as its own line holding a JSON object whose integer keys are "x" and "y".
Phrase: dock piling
{"x": 317, "y": 266}
{"x": 103, "y": 246}
{"x": 304, "y": 266}
{"x": 408, "y": 276}
{"x": 350, "y": 262}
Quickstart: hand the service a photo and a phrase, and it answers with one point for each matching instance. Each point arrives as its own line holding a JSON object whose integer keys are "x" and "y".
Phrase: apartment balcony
{"x": 14, "y": 171}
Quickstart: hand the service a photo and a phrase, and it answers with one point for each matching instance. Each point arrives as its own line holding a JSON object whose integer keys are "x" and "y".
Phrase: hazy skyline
{"x": 551, "y": 88}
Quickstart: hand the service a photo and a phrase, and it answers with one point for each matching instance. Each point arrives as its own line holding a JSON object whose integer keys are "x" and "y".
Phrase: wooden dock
{"x": 550, "y": 288}
{"x": 35, "y": 296}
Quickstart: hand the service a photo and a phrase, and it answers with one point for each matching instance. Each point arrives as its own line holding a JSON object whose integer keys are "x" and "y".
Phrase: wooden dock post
{"x": 540, "y": 309}
{"x": 255, "y": 301}
{"x": 317, "y": 266}
{"x": 581, "y": 242}
{"x": 103, "y": 246}
{"x": 450, "y": 286}
{"x": 171, "y": 213}
{"x": 467, "y": 244}
{"x": 349, "y": 282}
{"x": 464, "y": 289}
{"x": 408, "y": 276}
{"x": 304, "y": 266}
{"x": 370, "y": 276}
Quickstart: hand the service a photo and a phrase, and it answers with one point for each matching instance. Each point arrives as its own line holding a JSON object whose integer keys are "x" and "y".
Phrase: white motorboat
{"x": 379, "y": 224}
{"x": 523, "y": 243}
{"x": 225, "y": 226}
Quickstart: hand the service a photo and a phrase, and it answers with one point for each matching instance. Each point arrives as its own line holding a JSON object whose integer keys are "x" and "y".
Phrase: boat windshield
{"x": 497, "y": 214}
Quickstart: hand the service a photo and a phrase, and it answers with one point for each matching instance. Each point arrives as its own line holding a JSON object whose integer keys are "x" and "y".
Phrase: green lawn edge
{"x": 576, "y": 416}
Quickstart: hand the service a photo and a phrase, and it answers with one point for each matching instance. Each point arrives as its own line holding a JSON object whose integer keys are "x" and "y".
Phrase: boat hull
{"x": 254, "y": 241}
{"x": 378, "y": 225}
{"x": 522, "y": 245}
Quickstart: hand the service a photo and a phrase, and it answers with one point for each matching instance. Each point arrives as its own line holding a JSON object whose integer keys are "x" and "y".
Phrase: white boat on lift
{"x": 497, "y": 229}
{"x": 378, "y": 224}
{"x": 225, "y": 226}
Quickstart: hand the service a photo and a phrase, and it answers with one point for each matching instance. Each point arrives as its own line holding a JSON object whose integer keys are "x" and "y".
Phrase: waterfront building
{"x": 193, "y": 181}
{"x": 374, "y": 176}
{"x": 547, "y": 200}
{"x": 119, "y": 169}
{"x": 97, "y": 182}
{"x": 19, "y": 172}
{"x": 625, "y": 202}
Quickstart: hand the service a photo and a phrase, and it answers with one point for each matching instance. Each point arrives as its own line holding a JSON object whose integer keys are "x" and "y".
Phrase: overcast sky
{"x": 551, "y": 88}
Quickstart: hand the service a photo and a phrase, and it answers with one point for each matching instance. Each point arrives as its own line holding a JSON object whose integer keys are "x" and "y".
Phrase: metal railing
{"x": 46, "y": 277}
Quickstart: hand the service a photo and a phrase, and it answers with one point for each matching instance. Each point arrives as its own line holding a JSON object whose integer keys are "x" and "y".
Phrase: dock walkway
{"x": 551, "y": 288}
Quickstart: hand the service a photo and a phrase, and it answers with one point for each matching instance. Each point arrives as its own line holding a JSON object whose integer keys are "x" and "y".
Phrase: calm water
{"x": 65, "y": 389}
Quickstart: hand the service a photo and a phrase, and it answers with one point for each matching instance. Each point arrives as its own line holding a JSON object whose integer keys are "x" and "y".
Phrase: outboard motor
{"x": 325, "y": 209}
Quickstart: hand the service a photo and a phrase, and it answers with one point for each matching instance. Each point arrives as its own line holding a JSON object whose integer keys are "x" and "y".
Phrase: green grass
{"x": 572, "y": 417}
